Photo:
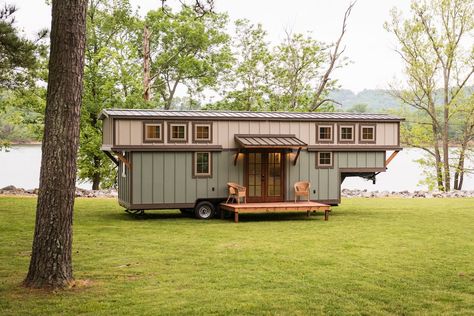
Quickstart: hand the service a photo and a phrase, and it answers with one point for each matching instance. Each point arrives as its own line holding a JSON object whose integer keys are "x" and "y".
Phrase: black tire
{"x": 204, "y": 210}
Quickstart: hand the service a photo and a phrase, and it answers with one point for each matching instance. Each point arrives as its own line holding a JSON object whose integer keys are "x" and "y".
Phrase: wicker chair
{"x": 302, "y": 189}
{"x": 237, "y": 192}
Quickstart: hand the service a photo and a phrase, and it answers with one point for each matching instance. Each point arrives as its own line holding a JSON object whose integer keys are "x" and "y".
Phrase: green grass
{"x": 374, "y": 256}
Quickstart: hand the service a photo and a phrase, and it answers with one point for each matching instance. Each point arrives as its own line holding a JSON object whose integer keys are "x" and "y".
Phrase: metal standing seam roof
{"x": 240, "y": 115}
{"x": 273, "y": 141}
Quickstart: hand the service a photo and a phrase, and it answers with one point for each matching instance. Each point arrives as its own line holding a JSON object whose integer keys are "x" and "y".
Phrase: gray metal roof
{"x": 266, "y": 141}
{"x": 244, "y": 115}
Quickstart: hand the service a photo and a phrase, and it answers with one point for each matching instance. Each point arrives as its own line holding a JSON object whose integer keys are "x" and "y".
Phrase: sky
{"x": 370, "y": 49}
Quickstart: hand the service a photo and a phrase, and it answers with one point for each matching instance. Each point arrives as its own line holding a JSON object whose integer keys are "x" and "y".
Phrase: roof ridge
{"x": 263, "y": 115}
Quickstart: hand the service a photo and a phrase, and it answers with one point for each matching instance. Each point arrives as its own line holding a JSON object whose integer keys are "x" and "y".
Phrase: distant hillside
{"x": 377, "y": 100}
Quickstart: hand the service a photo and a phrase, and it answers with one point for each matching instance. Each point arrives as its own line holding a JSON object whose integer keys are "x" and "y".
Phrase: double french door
{"x": 264, "y": 176}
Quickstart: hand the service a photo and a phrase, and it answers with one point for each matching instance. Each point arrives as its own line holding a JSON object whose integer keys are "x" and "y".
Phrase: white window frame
{"x": 352, "y": 127}
{"x": 151, "y": 139}
{"x": 209, "y": 162}
{"x": 171, "y": 138}
{"x": 195, "y": 136}
{"x": 319, "y": 139}
{"x": 318, "y": 159}
{"x": 362, "y": 133}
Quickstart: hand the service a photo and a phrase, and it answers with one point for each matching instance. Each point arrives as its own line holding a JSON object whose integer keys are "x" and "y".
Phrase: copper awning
{"x": 269, "y": 141}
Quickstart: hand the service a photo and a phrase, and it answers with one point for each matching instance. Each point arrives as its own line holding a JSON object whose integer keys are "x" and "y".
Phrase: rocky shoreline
{"x": 347, "y": 193}
{"x": 12, "y": 190}
{"x": 406, "y": 194}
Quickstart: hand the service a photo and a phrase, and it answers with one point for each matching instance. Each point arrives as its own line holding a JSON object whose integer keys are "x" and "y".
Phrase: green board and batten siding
{"x": 124, "y": 188}
{"x": 166, "y": 177}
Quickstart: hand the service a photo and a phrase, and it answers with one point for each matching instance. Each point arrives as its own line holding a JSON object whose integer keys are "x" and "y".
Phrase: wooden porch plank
{"x": 276, "y": 207}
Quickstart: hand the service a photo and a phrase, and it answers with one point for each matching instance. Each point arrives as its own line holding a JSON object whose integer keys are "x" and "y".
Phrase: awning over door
{"x": 275, "y": 141}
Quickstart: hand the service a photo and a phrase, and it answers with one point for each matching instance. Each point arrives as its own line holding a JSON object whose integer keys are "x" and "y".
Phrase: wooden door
{"x": 264, "y": 176}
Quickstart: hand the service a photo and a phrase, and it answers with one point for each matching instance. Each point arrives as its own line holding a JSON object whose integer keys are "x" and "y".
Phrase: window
{"x": 324, "y": 133}
{"x": 152, "y": 132}
{"x": 324, "y": 159}
{"x": 177, "y": 132}
{"x": 367, "y": 133}
{"x": 202, "y": 132}
{"x": 202, "y": 164}
{"x": 346, "y": 133}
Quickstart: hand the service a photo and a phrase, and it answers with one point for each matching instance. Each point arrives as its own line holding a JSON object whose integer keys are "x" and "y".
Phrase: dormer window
{"x": 346, "y": 133}
{"x": 367, "y": 133}
{"x": 177, "y": 132}
{"x": 202, "y": 132}
{"x": 324, "y": 133}
{"x": 153, "y": 132}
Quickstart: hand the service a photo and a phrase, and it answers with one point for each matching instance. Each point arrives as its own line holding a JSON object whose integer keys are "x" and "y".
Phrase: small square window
{"x": 202, "y": 164}
{"x": 367, "y": 133}
{"x": 152, "y": 132}
{"x": 324, "y": 133}
{"x": 177, "y": 132}
{"x": 324, "y": 159}
{"x": 202, "y": 132}
{"x": 346, "y": 133}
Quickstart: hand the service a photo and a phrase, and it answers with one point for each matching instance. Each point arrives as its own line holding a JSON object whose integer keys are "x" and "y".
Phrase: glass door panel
{"x": 274, "y": 175}
{"x": 255, "y": 178}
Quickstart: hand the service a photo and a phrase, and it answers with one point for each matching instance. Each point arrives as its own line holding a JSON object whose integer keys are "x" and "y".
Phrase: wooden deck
{"x": 281, "y": 207}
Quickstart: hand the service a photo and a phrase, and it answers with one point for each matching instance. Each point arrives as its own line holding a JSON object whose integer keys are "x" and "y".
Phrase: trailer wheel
{"x": 204, "y": 210}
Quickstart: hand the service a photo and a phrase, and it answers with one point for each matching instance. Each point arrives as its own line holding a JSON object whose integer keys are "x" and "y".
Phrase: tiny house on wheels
{"x": 182, "y": 159}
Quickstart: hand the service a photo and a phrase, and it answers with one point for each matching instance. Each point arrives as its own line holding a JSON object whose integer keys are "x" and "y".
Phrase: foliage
{"x": 246, "y": 86}
{"x": 187, "y": 50}
{"x": 282, "y": 77}
{"x": 436, "y": 47}
{"x": 111, "y": 80}
{"x": 296, "y": 66}
{"x": 373, "y": 256}
{"x": 17, "y": 54}
{"x": 23, "y": 72}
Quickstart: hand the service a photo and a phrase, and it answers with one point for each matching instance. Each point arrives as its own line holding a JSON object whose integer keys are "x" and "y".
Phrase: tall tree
{"x": 436, "y": 47}
{"x": 246, "y": 86}
{"x": 17, "y": 54}
{"x": 296, "y": 66}
{"x": 112, "y": 78}
{"x": 51, "y": 258}
{"x": 22, "y": 64}
{"x": 186, "y": 49}
{"x": 295, "y": 75}
{"x": 334, "y": 57}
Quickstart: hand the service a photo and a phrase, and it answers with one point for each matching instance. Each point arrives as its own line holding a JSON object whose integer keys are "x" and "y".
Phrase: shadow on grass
{"x": 278, "y": 217}
{"x": 149, "y": 215}
{"x": 176, "y": 215}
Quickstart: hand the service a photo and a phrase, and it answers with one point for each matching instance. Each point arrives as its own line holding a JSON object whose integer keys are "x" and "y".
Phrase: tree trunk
{"x": 51, "y": 258}
{"x": 459, "y": 174}
{"x": 447, "y": 175}
{"x": 438, "y": 164}
{"x": 96, "y": 176}
{"x": 146, "y": 64}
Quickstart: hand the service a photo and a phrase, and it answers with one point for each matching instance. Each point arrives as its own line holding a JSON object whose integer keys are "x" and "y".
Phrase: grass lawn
{"x": 374, "y": 256}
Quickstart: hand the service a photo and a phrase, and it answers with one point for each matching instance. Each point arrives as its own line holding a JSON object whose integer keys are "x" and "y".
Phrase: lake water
{"x": 20, "y": 167}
